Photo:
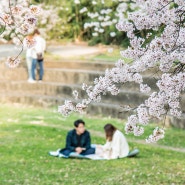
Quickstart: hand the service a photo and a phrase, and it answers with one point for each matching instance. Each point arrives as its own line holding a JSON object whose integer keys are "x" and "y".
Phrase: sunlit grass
{"x": 27, "y": 134}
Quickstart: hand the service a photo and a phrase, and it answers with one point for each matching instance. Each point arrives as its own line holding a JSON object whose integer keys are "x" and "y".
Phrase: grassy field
{"x": 27, "y": 134}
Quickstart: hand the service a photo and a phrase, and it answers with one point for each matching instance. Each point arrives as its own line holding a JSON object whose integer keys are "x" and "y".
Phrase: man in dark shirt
{"x": 78, "y": 140}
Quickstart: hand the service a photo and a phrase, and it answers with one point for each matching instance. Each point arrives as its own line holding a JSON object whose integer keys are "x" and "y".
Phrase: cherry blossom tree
{"x": 157, "y": 36}
{"x": 163, "y": 50}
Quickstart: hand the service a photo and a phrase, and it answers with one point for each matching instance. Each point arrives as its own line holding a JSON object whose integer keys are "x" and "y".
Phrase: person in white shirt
{"x": 27, "y": 42}
{"x": 116, "y": 145}
{"x": 38, "y": 54}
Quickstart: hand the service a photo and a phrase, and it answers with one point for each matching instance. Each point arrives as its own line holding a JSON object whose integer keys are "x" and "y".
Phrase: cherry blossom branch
{"x": 19, "y": 21}
{"x": 164, "y": 6}
{"x": 16, "y": 57}
{"x": 4, "y": 27}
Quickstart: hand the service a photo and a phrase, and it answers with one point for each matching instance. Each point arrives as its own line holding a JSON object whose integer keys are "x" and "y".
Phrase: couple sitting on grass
{"x": 78, "y": 140}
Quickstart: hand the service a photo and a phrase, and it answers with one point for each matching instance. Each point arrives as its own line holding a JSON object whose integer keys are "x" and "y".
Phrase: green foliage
{"x": 27, "y": 134}
{"x": 104, "y": 37}
{"x": 71, "y": 23}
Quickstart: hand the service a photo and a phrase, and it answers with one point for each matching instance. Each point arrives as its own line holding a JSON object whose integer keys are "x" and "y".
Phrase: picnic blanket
{"x": 132, "y": 153}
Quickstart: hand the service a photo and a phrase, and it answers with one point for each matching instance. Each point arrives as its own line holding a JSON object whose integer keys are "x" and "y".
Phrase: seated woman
{"x": 116, "y": 145}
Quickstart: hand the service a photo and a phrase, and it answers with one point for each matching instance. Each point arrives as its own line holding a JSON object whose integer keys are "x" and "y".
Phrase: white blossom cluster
{"x": 76, "y": 1}
{"x": 84, "y": 9}
{"x": 106, "y": 17}
{"x": 158, "y": 133}
{"x": 17, "y": 19}
{"x": 48, "y": 19}
{"x": 165, "y": 51}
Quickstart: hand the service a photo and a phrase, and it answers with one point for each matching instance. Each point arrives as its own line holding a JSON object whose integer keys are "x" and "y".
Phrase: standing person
{"x": 78, "y": 140}
{"x": 28, "y": 43}
{"x": 38, "y": 54}
{"x": 116, "y": 145}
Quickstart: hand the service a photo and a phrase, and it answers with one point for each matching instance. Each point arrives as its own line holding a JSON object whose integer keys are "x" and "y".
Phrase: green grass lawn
{"x": 107, "y": 56}
{"x": 27, "y": 134}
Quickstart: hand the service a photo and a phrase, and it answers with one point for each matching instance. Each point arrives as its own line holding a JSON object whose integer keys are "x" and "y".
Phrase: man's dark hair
{"x": 77, "y": 122}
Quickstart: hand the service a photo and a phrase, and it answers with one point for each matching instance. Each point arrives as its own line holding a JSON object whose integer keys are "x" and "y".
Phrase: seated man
{"x": 78, "y": 140}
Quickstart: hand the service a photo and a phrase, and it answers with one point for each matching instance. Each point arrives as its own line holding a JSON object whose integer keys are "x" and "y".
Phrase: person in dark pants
{"x": 78, "y": 140}
{"x": 37, "y": 55}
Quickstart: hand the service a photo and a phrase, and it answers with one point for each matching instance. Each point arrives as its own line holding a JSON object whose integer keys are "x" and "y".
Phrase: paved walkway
{"x": 73, "y": 50}
{"x": 7, "y": 50}
{"x": 64, "y": 51}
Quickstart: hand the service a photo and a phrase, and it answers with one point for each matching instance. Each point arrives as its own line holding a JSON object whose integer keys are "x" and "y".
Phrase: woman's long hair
{"x": 109, "y": 131}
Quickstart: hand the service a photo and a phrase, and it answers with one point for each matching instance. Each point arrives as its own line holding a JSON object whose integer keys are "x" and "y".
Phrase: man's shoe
{"x": 54, "y": 153}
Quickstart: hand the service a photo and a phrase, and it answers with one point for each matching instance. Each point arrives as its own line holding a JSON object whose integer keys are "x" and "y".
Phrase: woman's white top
{"x": 117, "y": 148}
{"x": 39, "y": 47}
